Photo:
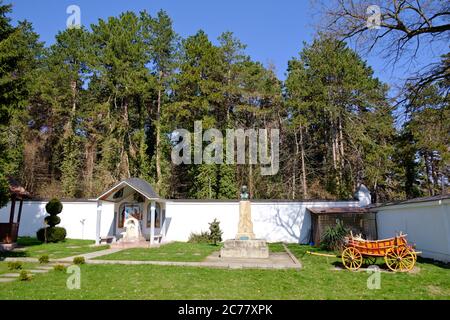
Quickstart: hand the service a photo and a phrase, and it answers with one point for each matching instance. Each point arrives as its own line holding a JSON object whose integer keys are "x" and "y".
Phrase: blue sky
{"x": 272, "y": 30}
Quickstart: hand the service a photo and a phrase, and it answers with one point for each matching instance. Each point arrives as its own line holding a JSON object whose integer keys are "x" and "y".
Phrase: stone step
{"x": 10, "y": 275}
{"x": 45, "y": 268}
{"x": 38, "y": 271}
{"x": 2, "y": 280}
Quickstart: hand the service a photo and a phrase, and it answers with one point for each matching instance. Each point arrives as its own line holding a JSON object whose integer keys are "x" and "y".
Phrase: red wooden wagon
{"x": 397, "y": 253}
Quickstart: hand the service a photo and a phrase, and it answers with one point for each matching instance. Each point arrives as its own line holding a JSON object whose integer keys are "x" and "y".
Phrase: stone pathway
{"x": 12, "y": 276}
{"x": 90, "y": 255}
{"x": 278, "y": 260}
{"x": 222, "y": 264}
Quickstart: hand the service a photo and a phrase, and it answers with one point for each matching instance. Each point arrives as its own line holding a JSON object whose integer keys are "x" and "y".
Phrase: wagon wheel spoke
{"x": 351, "y": 258}
{"x": 392, "y": 259}
{"x": 408, "y": 260}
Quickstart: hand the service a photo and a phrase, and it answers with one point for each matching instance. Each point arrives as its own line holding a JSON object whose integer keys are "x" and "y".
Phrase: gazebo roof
{"x": 17, "y": 190}
{"x": 139, "y": 185}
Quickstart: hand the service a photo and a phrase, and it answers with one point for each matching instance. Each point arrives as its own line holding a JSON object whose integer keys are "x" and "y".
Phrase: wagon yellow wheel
{"x": 400, "y": 259}
{"x": 352, "y": 258}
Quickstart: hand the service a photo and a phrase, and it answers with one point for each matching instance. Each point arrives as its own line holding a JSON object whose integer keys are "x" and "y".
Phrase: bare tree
{"x": 398, "y": 29}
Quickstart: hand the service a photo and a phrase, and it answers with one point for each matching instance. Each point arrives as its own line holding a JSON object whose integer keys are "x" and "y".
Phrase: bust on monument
{"x": 244, "y": 193}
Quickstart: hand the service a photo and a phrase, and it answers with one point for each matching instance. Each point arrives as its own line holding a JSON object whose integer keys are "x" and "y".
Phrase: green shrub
{"x": 215, "y": 234}
{"x": 59, "y": 267}
{"x": 51, "y": 234}
{"x": 52, "y": 220}
{"x": 25, "y": 276}
{"x": 54, "y": 207}
{"x": 44, "y": 259}
{"x": 15, "y": 265}
{"x": 202, "y": 237}
{"x": 333, "y": 237}
{"x": 79, "y": 260}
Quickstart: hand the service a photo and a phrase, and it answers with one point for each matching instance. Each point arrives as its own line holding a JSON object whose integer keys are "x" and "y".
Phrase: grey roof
{"x": 143, "y": 187}
{"x": 416, "y": 200}
{"x": 338, "y": 210}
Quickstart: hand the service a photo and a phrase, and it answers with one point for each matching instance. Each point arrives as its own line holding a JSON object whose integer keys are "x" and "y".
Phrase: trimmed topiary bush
{"x": 79, "y": 260}
{"x": 60, "y": 267}
{"x": 53, "y": 207}
{"x": 44, "y": 259}
{"x": 52, "y": 233}
{"x": 15, "y": 265}
{"x": 24, "y": 275}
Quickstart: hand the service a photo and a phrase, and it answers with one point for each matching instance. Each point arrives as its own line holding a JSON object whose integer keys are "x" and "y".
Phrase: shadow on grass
{"x": 436, "y": 263}
{"x": 22, "y": 242}
{"x": 382, "y": 264}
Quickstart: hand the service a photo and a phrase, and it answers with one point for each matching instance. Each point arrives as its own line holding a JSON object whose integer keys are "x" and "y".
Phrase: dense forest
{"x": 100, "y": 104}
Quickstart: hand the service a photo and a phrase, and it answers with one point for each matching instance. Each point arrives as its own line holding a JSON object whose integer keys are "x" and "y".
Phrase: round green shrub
{"x": 60, "y": 267}
{"x": 24, "y": 275}
{"x": 51, "y": 234}
{"x": 44, "y": 259}
{"x": 15, "y": 265}
{"x": 79, "y": 260}
{"x": 54, "y": 207}
{"x": 52, "y": 220}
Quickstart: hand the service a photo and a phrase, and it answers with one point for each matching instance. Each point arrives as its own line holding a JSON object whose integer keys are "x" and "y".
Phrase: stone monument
{"x": 133, "y": 231}
{"x": 245, "y": 245}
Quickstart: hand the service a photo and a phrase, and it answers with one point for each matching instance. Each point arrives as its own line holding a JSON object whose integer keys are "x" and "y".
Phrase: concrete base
{"x": 245, "y": 249}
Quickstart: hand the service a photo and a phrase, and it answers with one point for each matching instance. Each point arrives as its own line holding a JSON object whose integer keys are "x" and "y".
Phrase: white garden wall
{"x": 72, "y": 216}
{"x": 426, "y": 223}
{"x": 272, "y": 220}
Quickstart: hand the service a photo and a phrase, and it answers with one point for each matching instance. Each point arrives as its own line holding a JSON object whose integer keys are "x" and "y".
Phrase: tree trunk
{"x": 158, "y": 138}
{"x": 302, "y": 154}
{"x": 68, "y": 127}
{"x": 294, "y": 169}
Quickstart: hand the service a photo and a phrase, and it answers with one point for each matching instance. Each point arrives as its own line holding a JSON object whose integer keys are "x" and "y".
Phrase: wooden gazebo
{"x": 10, "y": 230}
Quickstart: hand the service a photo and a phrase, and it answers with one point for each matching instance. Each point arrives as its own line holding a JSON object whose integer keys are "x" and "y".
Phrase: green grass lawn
{"x": 176, "y": 251}
{"x": 25, "y": 266}
{"x": 276, "y": 247}
{"x": 31, "y": 247}
{"x": 316, "y": 280}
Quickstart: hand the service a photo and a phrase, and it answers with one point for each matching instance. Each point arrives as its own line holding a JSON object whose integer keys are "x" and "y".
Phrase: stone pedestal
{"x": 245, "y": 245}
{"x": 245, "y": 249}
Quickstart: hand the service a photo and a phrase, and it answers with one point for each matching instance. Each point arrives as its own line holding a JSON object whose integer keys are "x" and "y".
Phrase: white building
{"x": 426, "y": 221}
